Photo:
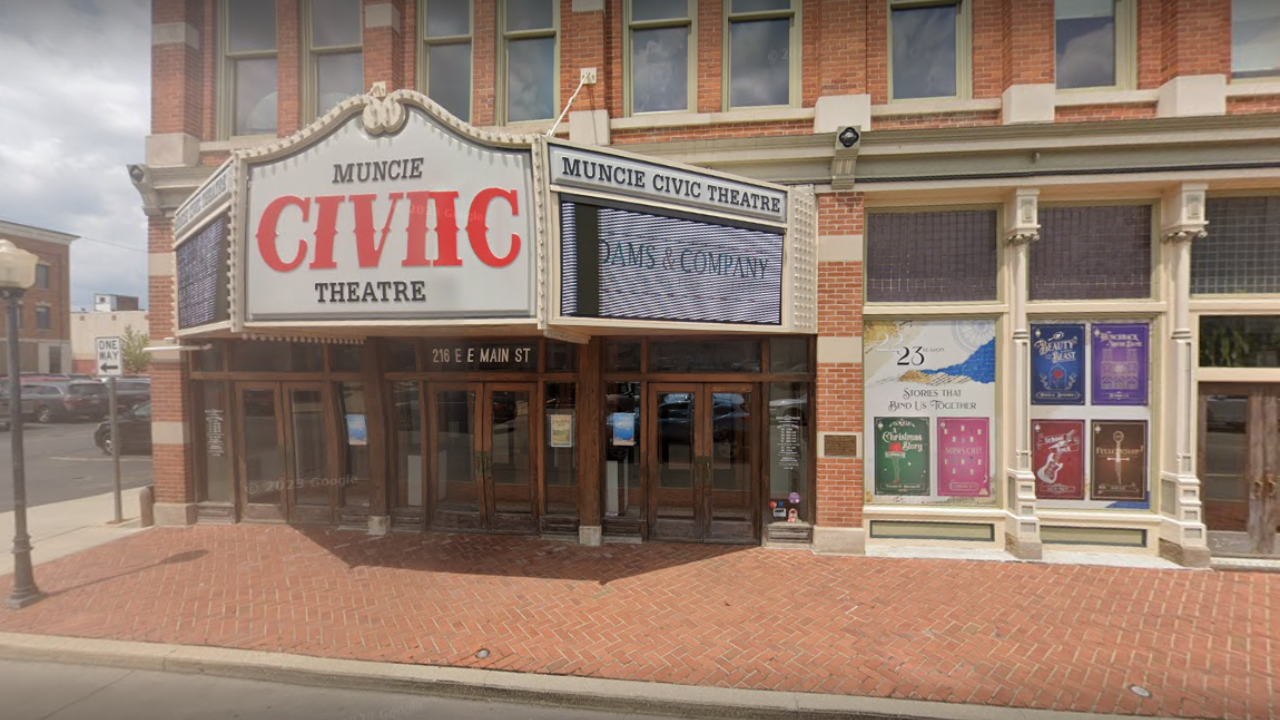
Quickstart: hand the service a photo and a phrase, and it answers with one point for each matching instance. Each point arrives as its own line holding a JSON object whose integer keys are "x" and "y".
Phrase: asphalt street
{"x": 39, "y": 691}
{"x": 62, "y": 463}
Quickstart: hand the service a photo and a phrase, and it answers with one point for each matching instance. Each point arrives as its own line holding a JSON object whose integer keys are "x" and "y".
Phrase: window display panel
{"x": 930, "y": 411}
{"x": 357, "y": 486}
{"x": 622, "y": 493}
{"x": 1091, "y": 413}
{"x": 560, "y": 466}
{"x": 407, "y": 413}
{"x": 215, "y": 481}
{"x": 788, "y": 450}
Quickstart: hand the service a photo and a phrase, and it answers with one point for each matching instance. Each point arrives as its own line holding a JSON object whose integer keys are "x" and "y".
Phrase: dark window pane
{"x": 406, "y": 416}
{"x": 621, "y": 356}
{"x": 402, "y": 357}
{"x": 338, "y": 77}
{"x": 251, "y": 25}
{"x": 260, "y": 356}
{"x": 560, "y": 456}
{"x": 760, "y": 72}
{"x": 530, "y": 15}
{"x": 531, "y": 79}
{"x": 660, "y": 70}
{"x": 788, "y": 441}
{"x": 562, "y": 357}
{"x": 622, "y": 494}
{"x": 335, "y": 23}
{"x": 449, "y": 81}
{"x": 1086, "y": 43}
{"x": 1255, "y": 38}
{"x": 747, "y": 6}
{"x": 642, "y": 10}
{"x": 208, "y": 360}
{"x": 307, "y": 357}
{"x": 1092, "y": 253}
{"x": 789, "y": 355}
{"x": 255, "y": 84}
{"x": 448, "y": 17}
{"x": 924, "y": 52}
{"x": 1241, "y": 342}
{"x": 704, "y": 356}
{"x": 344, "y": 358}
{"x": 42, "y": 276}
{"x": 1242, "y": 252}
{"x": 931, "y": 256}
{"x": 357, "y": 484}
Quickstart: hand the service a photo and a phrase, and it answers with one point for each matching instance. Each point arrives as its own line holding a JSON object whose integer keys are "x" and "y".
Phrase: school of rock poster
{"x": 934, "y": 379}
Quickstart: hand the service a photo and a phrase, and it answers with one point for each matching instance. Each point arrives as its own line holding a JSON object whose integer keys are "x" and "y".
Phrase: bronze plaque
{"x": 840, "y": 446}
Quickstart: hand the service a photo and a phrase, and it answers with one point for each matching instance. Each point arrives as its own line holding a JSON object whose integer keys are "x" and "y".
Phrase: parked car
{"x": 135, "y": 431}
{"x": 52, "y": 402}
{"x": 27, "y": 407}
{"x": 131, "y": 392}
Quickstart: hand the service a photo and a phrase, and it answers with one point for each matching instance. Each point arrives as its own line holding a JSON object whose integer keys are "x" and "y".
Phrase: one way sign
{"x": 109, "y": 360}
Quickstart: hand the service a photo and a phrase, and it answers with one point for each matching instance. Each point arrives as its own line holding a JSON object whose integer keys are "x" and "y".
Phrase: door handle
{"x": 1257, "y": 489}
{"x": 1271, "y": 484}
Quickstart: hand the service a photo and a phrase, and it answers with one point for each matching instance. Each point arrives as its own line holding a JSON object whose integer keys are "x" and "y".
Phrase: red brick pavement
{"x": 1027, "y": 635}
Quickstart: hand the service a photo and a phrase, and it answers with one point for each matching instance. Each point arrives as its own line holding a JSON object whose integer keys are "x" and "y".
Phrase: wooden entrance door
{"x": 286, "y": 465}
{"x": 1239, "y": 464}
{"x": 703, "y": 465}
{"x": 483, "y": 442}
{"x": 262, "y": 467}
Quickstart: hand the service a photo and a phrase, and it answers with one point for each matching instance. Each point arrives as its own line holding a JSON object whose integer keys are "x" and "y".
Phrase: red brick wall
{"x": 1196, "y": 38}
{"x": 384, "y": 51}
{"x": 1027, "y": 49}
{"x": 177, "y": 94}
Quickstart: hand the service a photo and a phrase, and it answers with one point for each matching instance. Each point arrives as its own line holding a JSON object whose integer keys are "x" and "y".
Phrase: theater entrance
{"x": 703, "y": 465}
{"x": 1240, "y": 467}
{"x": 483, "y": 441}
{"x": 287, "y": 459}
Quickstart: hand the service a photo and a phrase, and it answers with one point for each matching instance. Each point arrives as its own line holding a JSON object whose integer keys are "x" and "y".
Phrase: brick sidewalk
{"x": 1026, "y": 635}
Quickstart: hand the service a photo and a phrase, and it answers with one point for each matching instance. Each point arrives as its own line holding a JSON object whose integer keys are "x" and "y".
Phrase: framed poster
{"x": 1057, "y": 459}
{"x": 902, "y": 456}
{"x": 560, "y": 429}
{"x": 964, "y": 458}
{"x": 1057, "y": 364}
{"x": 357, "y": 433}
{"x": 1119, "y": 460}
{"x": 1121, "y": 355}
{"x": 624, "y": 429}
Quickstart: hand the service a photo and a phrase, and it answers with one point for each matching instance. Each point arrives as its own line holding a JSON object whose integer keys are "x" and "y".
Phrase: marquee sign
{"x": 421, "y": 224}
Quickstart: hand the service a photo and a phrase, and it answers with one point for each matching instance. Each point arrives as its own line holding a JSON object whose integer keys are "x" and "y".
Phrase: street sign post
{"x": 110, "y": 364}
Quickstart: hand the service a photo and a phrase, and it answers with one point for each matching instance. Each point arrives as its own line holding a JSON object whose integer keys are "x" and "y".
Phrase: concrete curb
{"x": 559, "y": 690}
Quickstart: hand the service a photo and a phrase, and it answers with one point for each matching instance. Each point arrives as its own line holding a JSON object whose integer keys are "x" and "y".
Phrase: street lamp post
{"x": 17, "y": 273}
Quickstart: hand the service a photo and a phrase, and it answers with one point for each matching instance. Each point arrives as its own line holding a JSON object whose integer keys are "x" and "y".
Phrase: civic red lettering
{"x": 478, "y": 231}
{"x": 267, "y": 234}
{"x": 326, "y": 229}
{"x": 366, "y": 250}
{"x": 446, "y": 229}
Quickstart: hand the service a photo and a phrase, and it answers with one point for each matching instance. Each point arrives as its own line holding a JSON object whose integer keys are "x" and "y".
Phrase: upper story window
{"x": 660, "y": 39}
{"x": 929, "y": 54}
{"x": 44, "y": 320}
{"x": 42, "y": 276}
{"x": 1095, "y": 43}
{"x": 1242, "y": 251}
{"x": 446, "y": 58}
{"x": 1092, "y": 253}
{"x": 334, "y": 40}
{"x": 763, "y": 52}
{"x": 529, "y": 59}
{"x": 1255, "y": 38}
{"x": 248, "y": 68}
{"x": 932, "y": 257}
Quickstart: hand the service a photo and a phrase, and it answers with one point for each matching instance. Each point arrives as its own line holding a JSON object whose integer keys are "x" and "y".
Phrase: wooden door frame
{"x": 1262, "y": 462}
{"x": 256, "y": 511}
{"x": 330, "y": 512}
{"x": 652, "y": 462}
{"x": 430, "y": 451}
{"x": 485, "y": 400}
{"x": 755, "y": 467}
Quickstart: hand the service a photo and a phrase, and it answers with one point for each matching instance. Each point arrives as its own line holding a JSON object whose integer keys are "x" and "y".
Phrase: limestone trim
{"x": 588, "y": 5}
{"x": 161, "y": 264}
{"x": 382, "y": 15}
{"x": 839, "y": 350}
{"x": 1252, "y": 88}
{"x": 668, "y": 120}
{"x": 168, "y": 432}
{"x": 1080, "y": 98}
{"x": 935, "y": 107}
{"x": 175, "y": 33}
{"x": 28, "y": 232}
{"x": 840, "y": 248}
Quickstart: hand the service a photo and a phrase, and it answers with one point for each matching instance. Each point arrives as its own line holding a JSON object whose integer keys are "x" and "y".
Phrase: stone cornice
{"x": 29, "y": 232}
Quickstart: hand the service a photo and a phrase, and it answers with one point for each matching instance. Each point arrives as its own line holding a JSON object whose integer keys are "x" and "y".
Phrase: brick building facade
{"x": 45, "y": 313}
{"x": 1018, "y": 169}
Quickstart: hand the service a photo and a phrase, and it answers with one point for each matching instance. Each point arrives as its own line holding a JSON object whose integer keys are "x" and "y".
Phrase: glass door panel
{"x": 732, "y": 464}
{"x": 262, "y": 461}
{"x": 676, "y": 497}
{"x": 1239, "y": 464}
{"x": 455, "y": 448}
{"x": 508, "y": 457}
{"x": 1225, "y": 462}
{"x": 313, "y": 489}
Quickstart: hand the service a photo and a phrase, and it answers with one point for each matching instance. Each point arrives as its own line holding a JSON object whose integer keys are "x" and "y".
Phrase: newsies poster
{"x": 931, "y": 401}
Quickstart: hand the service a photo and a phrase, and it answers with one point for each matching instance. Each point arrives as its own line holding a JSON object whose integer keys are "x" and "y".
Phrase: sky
{"x": 75, "y": 110}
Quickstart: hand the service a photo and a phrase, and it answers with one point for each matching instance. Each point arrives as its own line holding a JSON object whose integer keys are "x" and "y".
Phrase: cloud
{"x": 75, "y": 109}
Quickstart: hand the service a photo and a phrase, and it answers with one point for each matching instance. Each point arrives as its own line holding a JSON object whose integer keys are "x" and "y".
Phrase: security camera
{"x": 137, "y": 173}
{"x": 849, "y": 136}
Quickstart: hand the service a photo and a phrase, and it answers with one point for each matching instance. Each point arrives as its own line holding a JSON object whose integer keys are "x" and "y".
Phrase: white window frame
{"x": 628, "y": 87}
{"x": 505, "y": 36}
{"x": 964, "y": 47}
{"x": 226, "y": 116}
{"x": 425, "y": 43}
{"x": 1126, "y": 61}
{"x": 793, "y": 53}
{"x": 311, "y": 81}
